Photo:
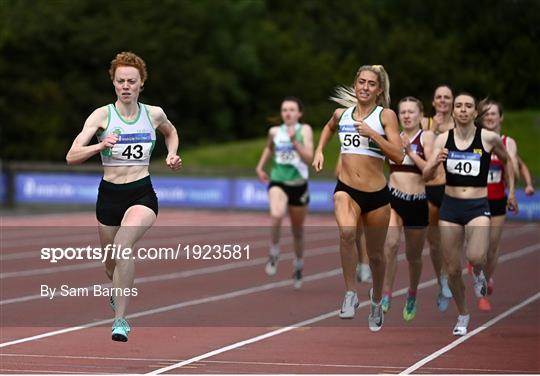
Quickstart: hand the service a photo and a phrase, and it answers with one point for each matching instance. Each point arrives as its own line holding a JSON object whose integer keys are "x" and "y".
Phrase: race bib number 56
{"x": 463, "y": 163}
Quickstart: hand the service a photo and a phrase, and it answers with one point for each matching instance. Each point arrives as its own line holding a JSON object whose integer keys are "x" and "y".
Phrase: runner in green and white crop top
{"x": 352, "y": 142}
{"x": 136, "y": 139}
{"x": 287, "y": 166}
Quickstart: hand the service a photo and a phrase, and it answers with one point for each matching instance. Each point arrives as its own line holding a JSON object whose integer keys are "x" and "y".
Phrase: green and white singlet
{"x": 352, "y": 142}
{"x": 287, "y": 166}
{"x": 136, "y": 139}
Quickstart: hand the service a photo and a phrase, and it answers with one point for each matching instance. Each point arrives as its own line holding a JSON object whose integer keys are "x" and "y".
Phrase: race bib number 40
{"x": 135, "y": 146}
{"x": 463, "y": 163}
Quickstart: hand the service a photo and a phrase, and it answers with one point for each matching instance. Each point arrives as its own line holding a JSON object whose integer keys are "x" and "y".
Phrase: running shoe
{"x": 409, "y": 311}
{"x": 350, "y": 303}
{"x": 442, "y": 302}
{"x": 297, "y": 278}
{"x": 490, "y": 286}
{"x": 376, "y": 314}
{"x": 271, "y": 265}
{"x": 445, "y": 294}
{"x": 363, "y": 273}
{"x": 120, "y": 330}
{"x": 112, "y": 303}
{"x": 385, "y": 302}
{"x": 461, "y": 326}
{"x": 484, "y": 304}
{"x": 480, "y": 285}
{"x": 445, "y": 289}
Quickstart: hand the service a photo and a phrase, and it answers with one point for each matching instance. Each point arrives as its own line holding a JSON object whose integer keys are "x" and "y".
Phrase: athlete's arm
{"x": 391, "y": 145}
{"x": 171, "y": 136}
{"x": 492, "y": 139}
{"x": 427, "y": 143}
{"x": 265, "y": 156}
{"x": 326, "y": 134}
{"x": 305, "y": 150}
{"x": 524, "y": 170}
{"x": 511, "y": 148}
{"x": 80, "y": 151}
{"x": 438, "y": 156}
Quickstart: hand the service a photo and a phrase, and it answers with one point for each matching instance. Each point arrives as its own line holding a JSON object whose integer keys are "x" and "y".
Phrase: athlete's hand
{"x": 318, "y": 161}
{"x": 363, "y": 129}
{"x": 512, "y": 204}
{"x": 406, "y": 143}
{"x": 443, "y": 155}
{"x": 262, "y": 175}
{"x": 291, "y": 131}
{"x": 529, "y": 190}
{"x": 109, "y": 141}
{"x": 173, "y": 162}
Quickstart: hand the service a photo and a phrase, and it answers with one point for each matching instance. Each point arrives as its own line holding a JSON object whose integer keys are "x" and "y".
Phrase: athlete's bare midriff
{"x": 124, "y": 174}
{"x": 466, "y": 192}
{"x": 362, "y": 172}
{"x": 407, "y": 182}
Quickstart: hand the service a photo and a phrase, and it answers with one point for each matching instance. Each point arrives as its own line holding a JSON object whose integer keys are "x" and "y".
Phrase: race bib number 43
{"x": 463, "y": 163}
{"x": 135, "y": 146}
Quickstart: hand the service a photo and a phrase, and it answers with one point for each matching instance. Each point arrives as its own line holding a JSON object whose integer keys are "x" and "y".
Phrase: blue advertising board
{"x": 68, "y": 188}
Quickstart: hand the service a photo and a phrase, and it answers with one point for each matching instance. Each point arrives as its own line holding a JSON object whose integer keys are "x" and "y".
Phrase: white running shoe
{"x": 461, "y": 326}
{"x": 271, "y": 265}
{"x": 350, "y": 303}
{"x": 376, "y": 314}
{"x": 297, "y": 278}
{"x": 363, "y": 273}
{"x": 480, "y": 285}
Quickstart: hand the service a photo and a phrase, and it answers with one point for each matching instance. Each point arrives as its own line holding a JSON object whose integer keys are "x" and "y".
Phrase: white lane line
{"x": 241, "y": 362}
{"x": 186, "y": 273}
{"x": 266, "y": 287}
{"x": 469, "y": 335}
{"x": 152, "y": 242}
{"x": 209, "y": 299}
{"x": 313, "y": 320}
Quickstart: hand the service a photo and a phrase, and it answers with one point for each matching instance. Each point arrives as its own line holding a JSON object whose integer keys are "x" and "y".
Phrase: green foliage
{"x": 219, "y": 68}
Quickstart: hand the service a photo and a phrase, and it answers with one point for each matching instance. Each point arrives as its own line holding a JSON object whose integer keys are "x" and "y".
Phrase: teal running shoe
{"x": 409, "y": 311}
{"x": 120, "y": 330}
{"x": 385, "y": 303}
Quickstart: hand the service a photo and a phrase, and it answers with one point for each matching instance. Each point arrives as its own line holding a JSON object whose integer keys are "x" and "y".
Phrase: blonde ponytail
{"x": 346, "y": 96}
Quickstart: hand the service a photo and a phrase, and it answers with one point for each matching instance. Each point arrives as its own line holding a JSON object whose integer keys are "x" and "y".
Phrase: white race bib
{"x": 133, "y": 146}
{"x": 351, "y": 140}
{"x": 286, "y": 154}
{"x": 463, "y": 163}
{"x": 494, "y": 174}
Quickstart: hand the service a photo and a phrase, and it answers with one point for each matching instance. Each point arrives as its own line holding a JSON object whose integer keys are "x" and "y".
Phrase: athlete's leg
{"x": 278, "y": 208}
{"x": 137, "y": 220}
{"x": 414, "y": 245}
{"x": 434, "y": 240}
{"x": 297, "y": 215}
{"x": 495, "y": 233}
{"x": 391, "y": 247}
{"x": 106, "y": 237}
{"x": 376, "y": 227}
{"x": 452, "y": 236}
{"x": 347, "y": 214}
